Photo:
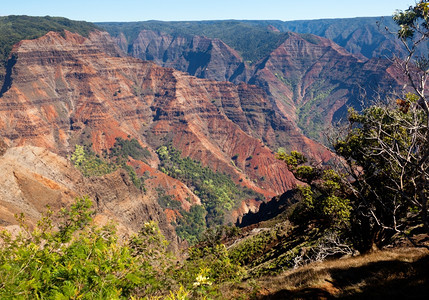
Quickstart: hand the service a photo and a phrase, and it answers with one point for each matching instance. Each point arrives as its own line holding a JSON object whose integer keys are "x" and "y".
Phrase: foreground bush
{"x": 77, "y": 260}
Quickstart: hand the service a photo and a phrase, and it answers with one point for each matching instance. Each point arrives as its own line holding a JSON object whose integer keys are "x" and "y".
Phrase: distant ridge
{"x": 310, "y": 79}
{"x": 258, "y": 43}
{"x": 363, "y": 35}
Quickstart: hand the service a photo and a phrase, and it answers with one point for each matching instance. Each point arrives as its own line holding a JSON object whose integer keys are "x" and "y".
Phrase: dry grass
{"x": 390, "y": 274}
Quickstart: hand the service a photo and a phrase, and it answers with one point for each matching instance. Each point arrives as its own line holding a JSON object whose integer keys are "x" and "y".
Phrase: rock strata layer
{"x": 67, "y": 89}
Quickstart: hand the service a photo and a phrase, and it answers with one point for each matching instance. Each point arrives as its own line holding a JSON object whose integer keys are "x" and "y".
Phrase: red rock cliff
{"x": 70, "y": 89}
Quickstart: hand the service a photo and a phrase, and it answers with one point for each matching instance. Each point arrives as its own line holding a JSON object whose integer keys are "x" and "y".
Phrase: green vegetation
{"x": 91, "y": 164}
{"x": 124, "y": 148}
{"x": 191, "y": 225}
{"x": 381, "y": 192}
{"x": 76, "y": 261}
{"x": 324, "y": 198}
{"x": 16, "y": 28}
{"x": 121, "y": 150}
{"x": 310, "y": 120}
{"x": 386, "y": 150}
{"x": 259, "y": 41}
{"x": 292, "y": 83}
{"x": 81, "y": 261}
{"x": 167, "y": 201}
{"x": 217, "y": 192}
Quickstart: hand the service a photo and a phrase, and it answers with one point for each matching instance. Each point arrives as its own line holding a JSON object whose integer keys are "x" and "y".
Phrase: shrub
{"x": 78, "y": 260}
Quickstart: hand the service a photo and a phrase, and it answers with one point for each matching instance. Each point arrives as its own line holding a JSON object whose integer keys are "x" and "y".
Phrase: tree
{"x": 324, "y": 198}
{"x": 385, "y": 152}
{"x": 386, "y": 146}
{"x": 414, "y": 32}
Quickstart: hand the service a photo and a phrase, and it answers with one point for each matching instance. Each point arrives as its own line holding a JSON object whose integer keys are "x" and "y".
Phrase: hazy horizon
{"x": 191, "y": 10}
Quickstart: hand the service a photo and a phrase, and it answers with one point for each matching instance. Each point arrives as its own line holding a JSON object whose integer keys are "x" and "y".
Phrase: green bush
{"x": 78, "y": 260}
{"x": 89, "y": 164}
{"x": 324, "y": 198}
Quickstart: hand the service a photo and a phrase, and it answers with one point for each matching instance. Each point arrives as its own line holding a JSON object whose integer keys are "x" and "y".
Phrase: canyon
{"x": 67, "y": 90}
{"x": 110, "y": 131}
{"x": 309, "y": 80}
{"x": 199, "y": 95}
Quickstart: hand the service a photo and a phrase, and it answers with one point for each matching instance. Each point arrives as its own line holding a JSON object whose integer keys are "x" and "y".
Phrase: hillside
{"x": 393, "y": 274}
{"x": 313, "y": 81}
{"x": 360, "y": 36}
{"x": 258, "y": 43}
{"x": 34, "y": 178}
{"x": 67, "y": 90}
{"x": 310, "y": 80}
{"x": 16, "y": 28}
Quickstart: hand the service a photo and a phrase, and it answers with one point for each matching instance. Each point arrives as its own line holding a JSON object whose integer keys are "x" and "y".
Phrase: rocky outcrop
{"x": 33, "y": 178}
{"x": 313, "y": 80}
{"x": 197, "y": 55}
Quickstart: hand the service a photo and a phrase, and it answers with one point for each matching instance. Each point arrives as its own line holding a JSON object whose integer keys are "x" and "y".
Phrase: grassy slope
{"x": 391, "y": 274}
{"x": 268, "y": 249}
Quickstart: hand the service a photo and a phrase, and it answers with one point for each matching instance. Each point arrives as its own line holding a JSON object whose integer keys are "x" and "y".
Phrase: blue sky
{"x": 178, "y": 10}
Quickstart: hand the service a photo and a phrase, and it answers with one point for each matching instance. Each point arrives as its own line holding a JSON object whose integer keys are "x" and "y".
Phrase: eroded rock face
{"x": 268, "y": 119}
{"x": 313, "y": 80}
{"x": 33, "y": 177}
{"x": 199, "y": 56}
{"x": 310, "y": 81}
{"x": 68, "y": 89}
